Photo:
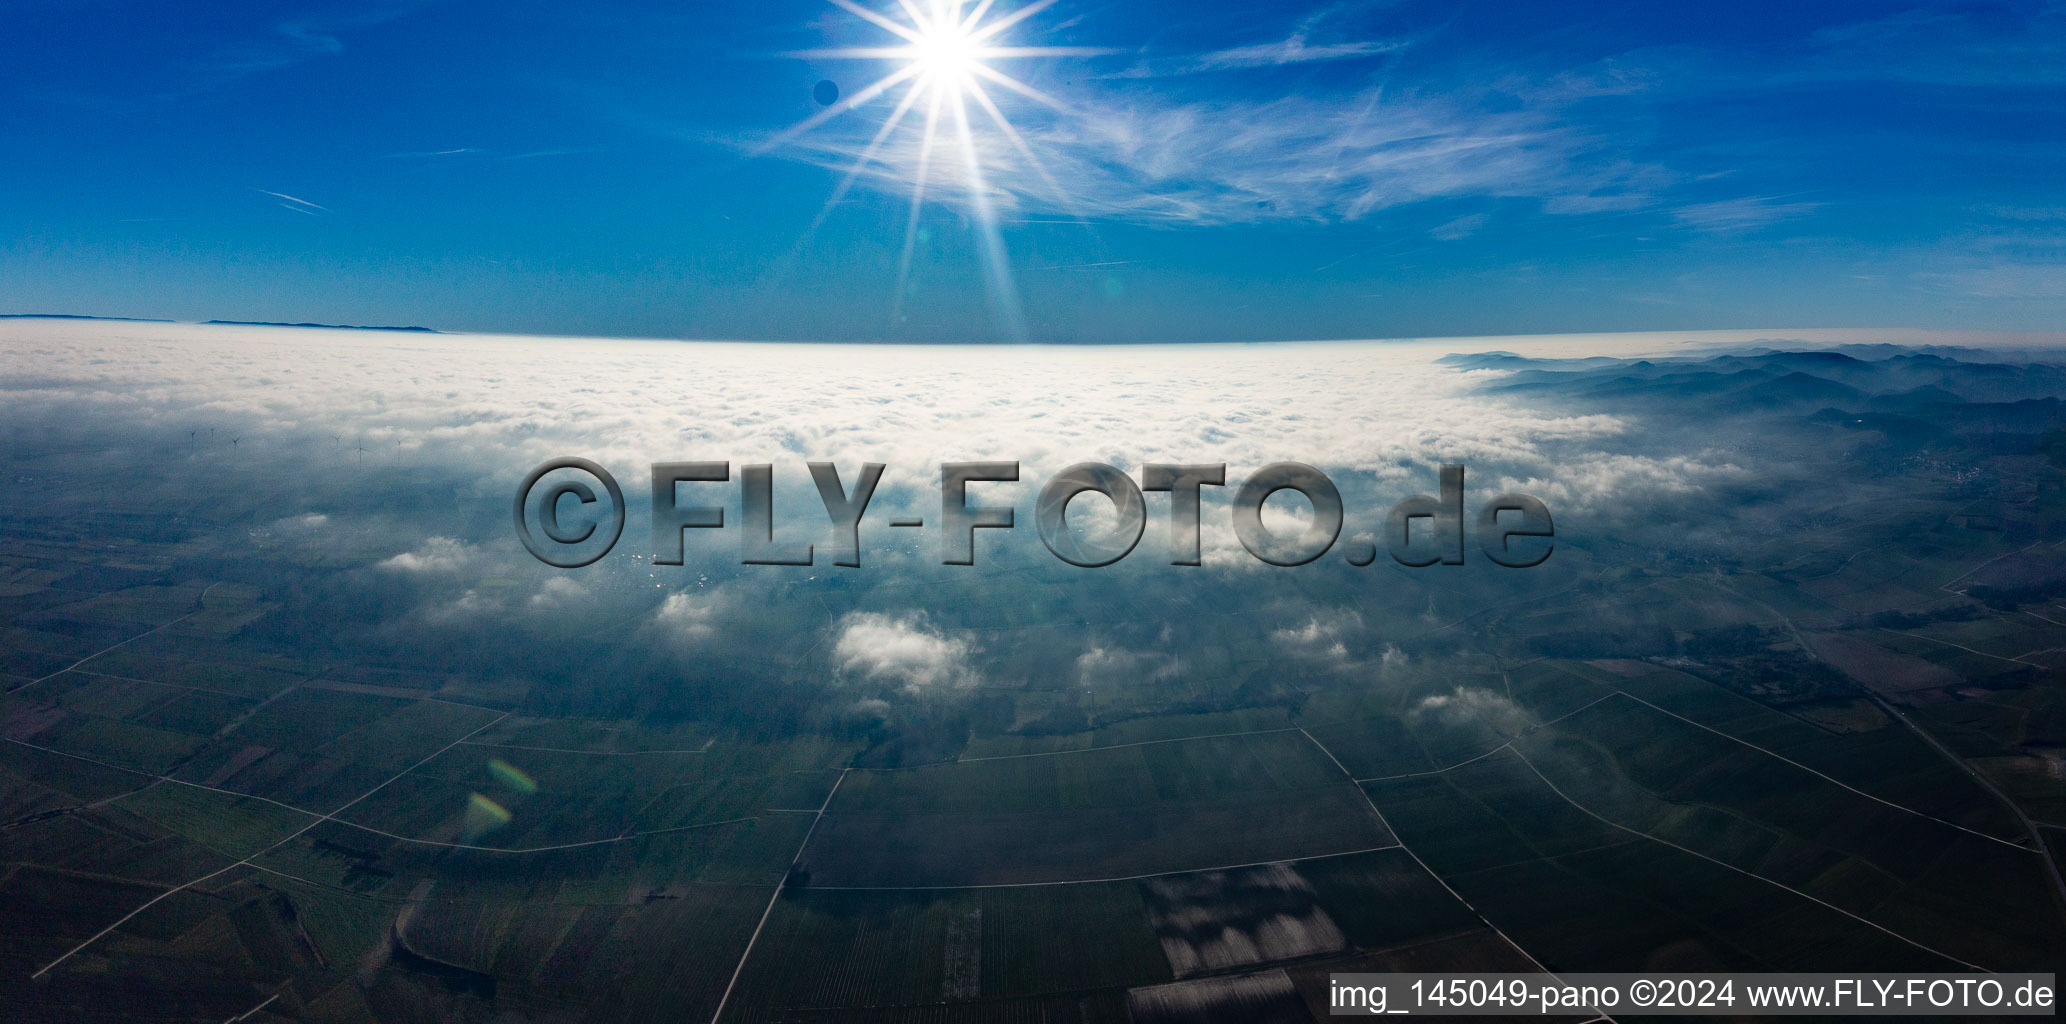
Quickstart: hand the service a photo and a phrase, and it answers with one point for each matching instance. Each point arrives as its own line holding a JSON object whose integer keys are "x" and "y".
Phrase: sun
{"x": 946, "y": 47}
{"x": 942, "y": 58}
{"x": 945, "y": 55}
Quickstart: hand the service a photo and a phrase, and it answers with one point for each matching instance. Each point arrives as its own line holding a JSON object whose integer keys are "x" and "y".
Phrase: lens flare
{"x": 484, "y": 815}
{"x": 512, "y": 776}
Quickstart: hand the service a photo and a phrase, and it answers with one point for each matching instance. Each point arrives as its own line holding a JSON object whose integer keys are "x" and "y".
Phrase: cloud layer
{"x": 378, "y": 468}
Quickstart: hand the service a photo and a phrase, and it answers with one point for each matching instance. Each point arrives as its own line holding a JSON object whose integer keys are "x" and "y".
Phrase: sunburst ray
{"x": 944, "y": 47}
{"x": 925, "y": 156}
{"x": 861, "y": 162}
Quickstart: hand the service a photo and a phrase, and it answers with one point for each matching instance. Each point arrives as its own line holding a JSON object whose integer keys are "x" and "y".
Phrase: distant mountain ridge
{"x": 1825, "y": 376}
{"x": 76, "y": 316}
{"x": 222, "y": 323}
{"x": 1913, "y": 394}
{"x": 328, "y": 327}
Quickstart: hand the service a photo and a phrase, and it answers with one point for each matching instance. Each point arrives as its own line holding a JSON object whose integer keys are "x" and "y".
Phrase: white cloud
{"x": 903, "y": 650}
{"x": 2005, "y": 279}
{"x": 559, "y": 592}
{"x": 1392, "y": 657}
{"x": 1974, "y": 46}
{"x": 1299, "y": 158}
{"x": 1732, "y": 216}
{"x": 1461, "y": 227}
{"x": 2024, "y": 260}
{"x": 1322, "y": 637}
{"x": 1292, "y": 50}
{"x": 1466, "y": 706}
{"x": 689, "y": 616}
{"x": 1376, "y": 417}
{"x": 1596, "y": 481}
{"x": 1105, "y": 667}
{"x": 437, "y": 555}
{"x": 1296, "y": 48}
{"x": 1159, "y": 155}
{"x": 477, "y": 413}
{"x": 1577, "y": 137}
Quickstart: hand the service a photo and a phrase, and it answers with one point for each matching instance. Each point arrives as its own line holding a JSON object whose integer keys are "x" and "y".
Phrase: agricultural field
{"x": 1110, "y": 812}
{"x": 288, "y": 780}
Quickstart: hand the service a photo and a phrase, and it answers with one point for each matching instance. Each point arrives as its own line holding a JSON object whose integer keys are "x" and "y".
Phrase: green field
{"x": 234, "y": 825}
{"x": 1102, "y": 813}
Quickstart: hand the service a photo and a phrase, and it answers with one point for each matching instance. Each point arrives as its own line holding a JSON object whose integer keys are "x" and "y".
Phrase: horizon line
{"x": 1913, "y": 335}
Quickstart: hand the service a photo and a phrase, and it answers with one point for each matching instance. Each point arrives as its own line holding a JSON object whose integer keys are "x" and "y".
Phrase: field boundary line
{"x": 160, "y": 682}
{"x": 740, "y": 967}
{"x": 200, "y": 599}
{"x": 1439, "y": 880}
{"x": 1080, "y": 750}
{"x": 247, "y": 1013}
{"x": 94, "y": 876}
{"x": 704, "y": 749}
{"x": 2012, "y": 844}
{"x": 332, "y": 816}
{"x": 156, "y": 779}
{"x": 544, "y": 849}
{"x": 1887, "y": 707}
{"x": 1750, "y": 874}
{"x": 1946, "y": 585}
{"x": 1830, "y": 779}
{"x": 1095, "y": 881}
{"x": 1962, "y": 647}
{"x": 476, "y": 902}
{"x": 1480, "y": 757}
{"x": 2044, "y": 850}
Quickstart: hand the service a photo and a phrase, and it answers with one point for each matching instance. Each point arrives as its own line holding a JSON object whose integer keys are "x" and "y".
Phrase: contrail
{"x": 291, "y": 199}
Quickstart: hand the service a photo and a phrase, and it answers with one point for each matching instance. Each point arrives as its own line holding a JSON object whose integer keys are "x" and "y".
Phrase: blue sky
{"x": 1215, "y": 171}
